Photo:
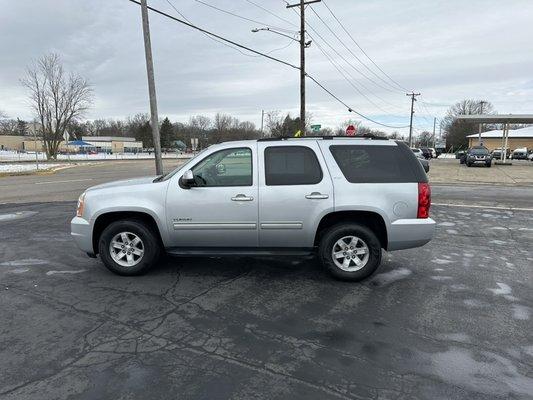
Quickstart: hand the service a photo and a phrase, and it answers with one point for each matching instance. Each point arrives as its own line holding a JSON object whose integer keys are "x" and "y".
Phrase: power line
{"x": 241, "y": 17}
{"x": 394, "y": 89}
{"x": 216, "y": 36}
{"x": 280, "y": 48}
{"x": 221, "y": 42}
{"x": 349, "y": 108}
{"x": 338, "y": 68}
{"x": 266, "y": 56}
{"x": 348, "y": 63}
{"x": 208, "y": 36}
{"x": 362, "y": 50}
{"x": 272, "y": 13}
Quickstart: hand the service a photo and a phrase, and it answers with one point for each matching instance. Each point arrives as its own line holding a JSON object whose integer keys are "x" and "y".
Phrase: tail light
{"x": 424, "y": 200}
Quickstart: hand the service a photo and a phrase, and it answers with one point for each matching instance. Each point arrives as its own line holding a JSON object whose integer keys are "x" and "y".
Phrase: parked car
{"x": 434, "y": 153}
{"x": 420, "y": 156}
{"x": 497, "y": 153}
{"x": 478, "y": 155}
{"x": 520, "y": 154}
{"x": 345, "y": 199}
{"x": 426, "y": 152}
{"x": 530, "y": 156}
{"x": 460, "y": 155}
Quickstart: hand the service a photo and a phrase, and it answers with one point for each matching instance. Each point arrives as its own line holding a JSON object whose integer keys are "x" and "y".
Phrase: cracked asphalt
{"x": 450, "y": 320}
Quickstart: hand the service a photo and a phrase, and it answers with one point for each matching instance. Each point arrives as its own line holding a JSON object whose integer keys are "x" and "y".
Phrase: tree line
{"x": 60, "y": 100}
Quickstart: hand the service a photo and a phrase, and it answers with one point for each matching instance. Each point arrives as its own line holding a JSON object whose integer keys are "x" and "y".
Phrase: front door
{"x": 295, "y": 192}
{"x": 220, "y": 209}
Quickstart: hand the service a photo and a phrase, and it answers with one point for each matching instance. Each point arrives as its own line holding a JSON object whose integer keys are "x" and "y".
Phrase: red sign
{"x": 350, "y": 130}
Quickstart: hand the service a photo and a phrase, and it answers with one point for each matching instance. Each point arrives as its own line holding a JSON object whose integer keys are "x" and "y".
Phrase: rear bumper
{"x": 81, "y": 232}
{"x": 409, "y": 233}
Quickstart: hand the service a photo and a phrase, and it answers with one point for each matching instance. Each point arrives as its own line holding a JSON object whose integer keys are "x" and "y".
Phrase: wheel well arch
{"x": 370, "y": 219}
{"x": 103, "y": 220}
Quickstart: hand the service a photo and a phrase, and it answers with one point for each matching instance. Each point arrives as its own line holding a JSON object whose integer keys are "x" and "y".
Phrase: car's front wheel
{"x": 129, "y": 247}
{"x": 350, "y": 251}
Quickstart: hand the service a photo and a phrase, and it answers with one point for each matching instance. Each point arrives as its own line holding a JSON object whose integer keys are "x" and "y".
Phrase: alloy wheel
{"x": 350, "y": 253}
{"x": 126, "y": 249}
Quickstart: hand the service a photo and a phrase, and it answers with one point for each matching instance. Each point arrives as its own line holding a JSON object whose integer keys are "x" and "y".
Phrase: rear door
{"x": 295, "y": 192}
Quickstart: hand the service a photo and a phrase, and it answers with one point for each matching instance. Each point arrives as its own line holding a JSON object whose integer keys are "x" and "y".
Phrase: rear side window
{"x": 375, "y": 164}
{"x": 291, "y": 165}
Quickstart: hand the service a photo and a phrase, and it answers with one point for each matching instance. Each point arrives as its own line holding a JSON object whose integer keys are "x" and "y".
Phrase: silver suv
{"x": 344, "y": 198}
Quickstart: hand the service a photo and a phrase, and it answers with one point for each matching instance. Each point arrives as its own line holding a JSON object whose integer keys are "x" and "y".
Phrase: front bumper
{"x": 409, "y": 233}
{"x": 81, "y": 231}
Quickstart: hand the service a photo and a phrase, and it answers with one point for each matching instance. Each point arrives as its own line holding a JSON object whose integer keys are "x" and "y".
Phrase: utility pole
{"x": 262, "y": 119}
{"x": 151, "y": 89}
{"x": 434, "y": 124}
{"x": 303, "y": 45}
{"x": 413, "y": 99}
{"x": 481, "y": 103}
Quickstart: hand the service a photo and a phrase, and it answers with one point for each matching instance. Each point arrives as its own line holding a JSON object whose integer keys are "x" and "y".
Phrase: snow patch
{"x": 14, "y": 168}
{"x": 520, "y": 312}
{"x": 447, "y": 223}
{"x": 441, "y": 261}
{"x": 391, "y": 276}
{"x": 24, "y": 262}
{"x": 64, "y": 272}
{"x": 502, "y": 289}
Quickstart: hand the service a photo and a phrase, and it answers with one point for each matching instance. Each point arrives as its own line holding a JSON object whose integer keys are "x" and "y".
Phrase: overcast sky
{"x": 447, "y": 50}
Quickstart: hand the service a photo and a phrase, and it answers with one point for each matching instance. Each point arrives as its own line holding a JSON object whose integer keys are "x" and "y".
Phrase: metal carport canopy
{"x": 498, "y": 118}
{"x": 504, "y": 119}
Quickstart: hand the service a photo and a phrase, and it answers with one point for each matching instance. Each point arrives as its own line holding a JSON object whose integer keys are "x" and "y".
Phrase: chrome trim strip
{"x": 282, "y": 225}
{"x": 214, "y": 225}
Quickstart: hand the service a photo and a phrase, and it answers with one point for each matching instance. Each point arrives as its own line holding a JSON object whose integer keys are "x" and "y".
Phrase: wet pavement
{"x": 451, "y": 320}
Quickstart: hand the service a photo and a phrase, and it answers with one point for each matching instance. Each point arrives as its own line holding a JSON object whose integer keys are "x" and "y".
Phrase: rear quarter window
{"x": 378, "y": 164}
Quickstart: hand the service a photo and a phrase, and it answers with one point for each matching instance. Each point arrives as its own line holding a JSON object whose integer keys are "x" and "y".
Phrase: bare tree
{"x": 8, "y": 126}
{"x": 456, "y": 130}
{"x": 200, "y": 122}
{"x": 56, "y": 98}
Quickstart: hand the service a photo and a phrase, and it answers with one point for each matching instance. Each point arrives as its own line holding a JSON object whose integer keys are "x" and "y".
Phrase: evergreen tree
{"x": 144, "y": 134}
{"x": 166, "y": 133}
{"x": 22, "y": 127}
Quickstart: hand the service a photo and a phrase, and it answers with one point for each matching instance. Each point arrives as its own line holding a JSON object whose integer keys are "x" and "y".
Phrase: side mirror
{"x": 187, "y": 179}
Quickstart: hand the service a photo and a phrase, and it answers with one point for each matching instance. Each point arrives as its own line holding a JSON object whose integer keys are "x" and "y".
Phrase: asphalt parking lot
{"x": 451, "y": 320}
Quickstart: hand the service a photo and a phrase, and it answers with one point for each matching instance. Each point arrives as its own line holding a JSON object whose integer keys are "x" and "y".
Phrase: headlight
{"x": 81, "y": 205}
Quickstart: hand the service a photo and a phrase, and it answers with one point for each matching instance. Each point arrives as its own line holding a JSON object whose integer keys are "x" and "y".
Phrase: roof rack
{"x": 323, "y": 137}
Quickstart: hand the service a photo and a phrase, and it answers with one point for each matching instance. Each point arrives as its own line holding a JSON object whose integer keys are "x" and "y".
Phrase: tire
{"x": 141, "y": 239}
{"x": 468, "y": 164}
{"x": 488, "y": 165}
{"x": 329, "y": 244}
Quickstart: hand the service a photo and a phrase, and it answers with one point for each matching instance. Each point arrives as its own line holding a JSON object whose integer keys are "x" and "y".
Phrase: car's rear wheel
{"x": 350, "y": 251}
{"x": 129, "y": 247}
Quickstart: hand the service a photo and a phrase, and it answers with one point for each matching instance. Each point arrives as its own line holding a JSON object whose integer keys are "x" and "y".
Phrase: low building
{"x": 518, "y": 138}
{"x": 11, "y": 142}
{"x": 103, "y": 144}
{"x": 114, "y": 144}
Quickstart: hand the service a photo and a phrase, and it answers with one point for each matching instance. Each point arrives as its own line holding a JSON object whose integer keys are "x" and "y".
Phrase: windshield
{"x": 175, "y": 171}
{"x": 479, "y": 152}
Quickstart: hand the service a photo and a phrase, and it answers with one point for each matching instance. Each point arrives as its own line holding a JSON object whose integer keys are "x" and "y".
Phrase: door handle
{"x": 317, "y": 196}
{"x": 242, "y": 197}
